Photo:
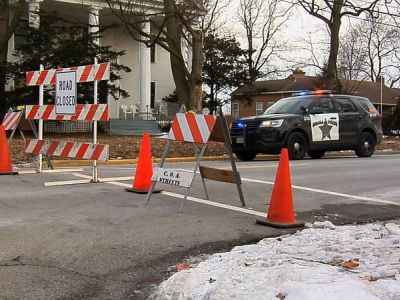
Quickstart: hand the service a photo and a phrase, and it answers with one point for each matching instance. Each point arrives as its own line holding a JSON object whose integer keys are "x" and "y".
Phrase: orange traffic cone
{"x": 144, "y": 169}
{"x": 5, "y": 157}
{"x": 281, "y": 211}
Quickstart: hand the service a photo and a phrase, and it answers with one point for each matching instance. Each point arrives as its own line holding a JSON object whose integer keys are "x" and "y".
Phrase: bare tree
{"x": 262, "y": 21}
{"x": 395, "y": 79}
{"x": 173, "y": 23}
{"x": 382, "y": 43}
{"x": 372, "y": 48}
{"x": 352, "y": 56}
{"x": 332, "y": 13}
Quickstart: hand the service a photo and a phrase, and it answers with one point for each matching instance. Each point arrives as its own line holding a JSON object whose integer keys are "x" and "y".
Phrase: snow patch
{"x": 350, "y": 262}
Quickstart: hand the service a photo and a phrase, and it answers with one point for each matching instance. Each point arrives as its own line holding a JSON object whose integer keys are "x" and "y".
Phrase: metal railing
{"x": 162, "y": 119}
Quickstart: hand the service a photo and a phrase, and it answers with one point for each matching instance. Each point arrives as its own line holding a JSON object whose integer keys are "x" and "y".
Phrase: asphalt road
{"x": 97, "y": 241}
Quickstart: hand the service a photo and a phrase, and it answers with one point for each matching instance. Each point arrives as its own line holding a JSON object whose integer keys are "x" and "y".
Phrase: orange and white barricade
{"x": 11, "y": 120}
{"x": 88, "y": 112}
{"x": 84, "y": 112}
{"x": 196, "y": 129}
{"x": 86, "y": 73}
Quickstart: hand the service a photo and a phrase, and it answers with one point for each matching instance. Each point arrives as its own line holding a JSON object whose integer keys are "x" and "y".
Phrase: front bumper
{"x": 259, "y": 140}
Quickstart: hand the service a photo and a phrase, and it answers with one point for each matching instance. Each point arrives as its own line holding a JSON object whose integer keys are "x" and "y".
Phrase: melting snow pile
{"x": 323, "y": 262}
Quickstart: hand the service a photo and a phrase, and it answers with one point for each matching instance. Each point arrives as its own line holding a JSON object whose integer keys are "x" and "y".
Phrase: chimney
{"x": 379, "y": 78}
{"x": 298, "y": 73}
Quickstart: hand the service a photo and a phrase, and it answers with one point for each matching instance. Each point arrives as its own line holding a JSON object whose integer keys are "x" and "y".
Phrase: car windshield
{"x": 289, "y": 106}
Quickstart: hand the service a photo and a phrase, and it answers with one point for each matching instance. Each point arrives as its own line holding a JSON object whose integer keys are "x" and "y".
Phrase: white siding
{"x": 160, "y": 70}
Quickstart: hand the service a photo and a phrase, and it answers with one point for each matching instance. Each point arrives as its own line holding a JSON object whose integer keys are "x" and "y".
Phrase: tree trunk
{"x": 3, "y": 61}
{"x": 197, "y": 70}
{"x": 212, "y": 99}
{"x": 334, "y": 27}
{"x": 188, "y": 84}
{"x": 4, "y": 19}
{"x": 8, "y": 24}
{"x": 181, "y": 81}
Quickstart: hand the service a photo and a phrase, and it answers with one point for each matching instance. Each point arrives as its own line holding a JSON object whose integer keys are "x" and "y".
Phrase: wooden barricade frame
{"x": 219, "y": 133}
{"x": 88, "y": 73}
{"x": 13, "y": 123}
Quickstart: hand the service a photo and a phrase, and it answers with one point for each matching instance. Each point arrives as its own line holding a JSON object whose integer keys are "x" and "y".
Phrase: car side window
{"x": 321, "y": 106}
{"x": 344, "y": 105}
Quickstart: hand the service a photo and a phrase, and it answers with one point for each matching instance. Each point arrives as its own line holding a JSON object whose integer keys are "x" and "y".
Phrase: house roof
{"x": 279, "y": 86}
{"x": 372, "y": 90}
{"x": 298, "y": 81}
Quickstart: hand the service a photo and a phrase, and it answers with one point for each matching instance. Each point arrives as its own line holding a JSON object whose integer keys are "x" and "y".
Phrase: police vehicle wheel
{"x": 245, "y": 156}
{"x": 316, "y": 153}
{"x": 366, "y": 145}
{"x": 297, "y": 145}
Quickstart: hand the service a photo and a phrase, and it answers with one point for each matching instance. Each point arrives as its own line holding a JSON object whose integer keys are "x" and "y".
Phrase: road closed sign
{"x": 66, "y": 97}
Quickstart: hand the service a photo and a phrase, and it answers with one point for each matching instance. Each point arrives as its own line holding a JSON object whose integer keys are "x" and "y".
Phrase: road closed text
{"x": 66, "y": 99}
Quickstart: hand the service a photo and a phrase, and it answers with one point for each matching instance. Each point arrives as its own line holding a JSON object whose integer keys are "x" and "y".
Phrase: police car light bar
{"x": 317, "y": 92}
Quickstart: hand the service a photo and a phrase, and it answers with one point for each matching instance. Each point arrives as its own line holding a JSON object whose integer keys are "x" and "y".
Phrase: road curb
{"x": 82, "y": 163}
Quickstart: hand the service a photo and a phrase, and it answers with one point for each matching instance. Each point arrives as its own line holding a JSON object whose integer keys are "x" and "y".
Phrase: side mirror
{"x": 304, "y": 109}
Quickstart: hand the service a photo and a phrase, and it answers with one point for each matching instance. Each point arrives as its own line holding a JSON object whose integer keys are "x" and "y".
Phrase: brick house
{"x": 263, "y": 94}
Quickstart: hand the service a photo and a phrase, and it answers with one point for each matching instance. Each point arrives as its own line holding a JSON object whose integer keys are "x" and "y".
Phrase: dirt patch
{"x": 125, "y": 147}
{"x": 121, "y": 146}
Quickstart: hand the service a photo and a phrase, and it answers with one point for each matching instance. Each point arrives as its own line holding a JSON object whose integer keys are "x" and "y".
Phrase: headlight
{"x": 271, "y": 123}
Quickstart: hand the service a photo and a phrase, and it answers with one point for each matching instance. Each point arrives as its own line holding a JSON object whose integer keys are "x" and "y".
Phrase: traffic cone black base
{"x": 11, "y": 173}
{"x": 280, "y": 225}
{"x": 141, "y": 191}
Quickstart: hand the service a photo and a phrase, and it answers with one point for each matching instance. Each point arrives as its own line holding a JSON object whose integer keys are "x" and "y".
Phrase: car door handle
{"x": 332, "y": 118}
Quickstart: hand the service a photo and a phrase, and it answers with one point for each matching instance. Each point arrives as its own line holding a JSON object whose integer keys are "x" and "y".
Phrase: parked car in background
{"x": 310, "y": 124}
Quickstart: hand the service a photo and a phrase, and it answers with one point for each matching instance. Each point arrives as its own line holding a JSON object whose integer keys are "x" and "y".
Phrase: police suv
{"x": 311, "y": 124}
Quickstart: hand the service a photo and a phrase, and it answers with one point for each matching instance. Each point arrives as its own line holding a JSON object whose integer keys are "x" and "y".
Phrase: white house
{"x": 151, "y": 77}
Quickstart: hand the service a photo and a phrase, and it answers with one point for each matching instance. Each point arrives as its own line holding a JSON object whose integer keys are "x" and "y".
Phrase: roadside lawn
{"x": 126, "y": 147}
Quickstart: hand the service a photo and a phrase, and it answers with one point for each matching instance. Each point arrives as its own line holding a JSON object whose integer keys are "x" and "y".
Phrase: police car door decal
{"x": 324, "y": 127}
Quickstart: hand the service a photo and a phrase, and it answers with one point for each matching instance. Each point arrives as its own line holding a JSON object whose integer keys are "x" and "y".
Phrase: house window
{"x": 153, "y": 53}
{"x": 235, "y": 110}
{"x": 152, "y": 94}
{"x": 270, "y": 103}
{"x": 259, "y": 108}
{"x": 21, "y": 34}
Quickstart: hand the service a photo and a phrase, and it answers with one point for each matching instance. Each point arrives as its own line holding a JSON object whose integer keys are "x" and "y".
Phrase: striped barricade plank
{"x": 84, "y": 112}
{"x": 67, "y": 149}
{"x": 83, "y": 74}
{"x": 10, "y": 121}
{"x": 195, "y": 128}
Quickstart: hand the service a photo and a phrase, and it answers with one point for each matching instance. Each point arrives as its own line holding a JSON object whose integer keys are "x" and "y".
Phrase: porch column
{"x": 34, "y": 22}
{"x": 33, "y": 14}
{"x": 94, "y": 21}
{"x": 145, "y": 75}
{"x": 93, "y": 29}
